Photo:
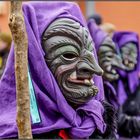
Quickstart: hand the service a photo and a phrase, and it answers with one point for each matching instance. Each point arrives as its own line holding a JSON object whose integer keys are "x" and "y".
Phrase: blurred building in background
{"x": 125, "y": 15}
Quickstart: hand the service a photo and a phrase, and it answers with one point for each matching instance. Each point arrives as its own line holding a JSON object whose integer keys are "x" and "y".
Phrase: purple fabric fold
{"x": 111, "y": 94}
{"x": 121, "y": 38}
{"x": 97, "y": 34}
{"x": 54, "y": 110}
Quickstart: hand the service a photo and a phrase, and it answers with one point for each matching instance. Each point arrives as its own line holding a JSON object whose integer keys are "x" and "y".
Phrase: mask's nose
{"x": 88, "y": 65}
{"x": 117, "y": 62}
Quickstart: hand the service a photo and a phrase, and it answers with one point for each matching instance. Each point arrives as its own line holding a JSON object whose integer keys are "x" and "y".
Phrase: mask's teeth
{"x": 131, "y": 65}
{"x": 108, "y": 68}
{"x": 73, "y": 75}
{"x": 113, "y": 71}
{"x": 92, "y": 81}
{"x": 126, "y": 62}
{"x": 86, "y": 81}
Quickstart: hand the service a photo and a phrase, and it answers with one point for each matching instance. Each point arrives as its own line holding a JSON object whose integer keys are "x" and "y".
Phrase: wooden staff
{"x": 18, "y": 30}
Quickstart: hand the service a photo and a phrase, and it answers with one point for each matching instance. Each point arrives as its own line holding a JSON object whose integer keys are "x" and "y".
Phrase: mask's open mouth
{"x": 111, "y": 70}
{"x": 81, "y": 89}
{"x": 77, "y": 88}
{"x": 129, "y": 64}
{"x": 87, "y": 81}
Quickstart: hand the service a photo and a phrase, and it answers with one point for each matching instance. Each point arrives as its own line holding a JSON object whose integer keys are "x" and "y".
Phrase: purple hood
{"x": 121, "y": 38}
{"x": 55, "y": 112}
{"x": 97, "y": 34}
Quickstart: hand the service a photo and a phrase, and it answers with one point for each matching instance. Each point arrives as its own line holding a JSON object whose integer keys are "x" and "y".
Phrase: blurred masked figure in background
{"x": 128, "y": 89}
{"x": 5, "y": 43}
{"x": 109, "y": 59}
{"x": 122, "y": 91}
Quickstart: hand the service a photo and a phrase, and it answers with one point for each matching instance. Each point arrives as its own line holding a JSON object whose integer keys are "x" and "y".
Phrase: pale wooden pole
{"x": 18, "y": 30}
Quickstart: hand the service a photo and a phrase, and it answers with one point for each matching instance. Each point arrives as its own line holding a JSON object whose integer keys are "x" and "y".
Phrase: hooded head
{"x": 61, "y": 66}
{"x": 109, "y": 58}
{"x": 128, "y": 44}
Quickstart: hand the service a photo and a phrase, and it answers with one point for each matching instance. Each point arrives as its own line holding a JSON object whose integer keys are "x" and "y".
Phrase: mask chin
{"x": 111, "y": 76}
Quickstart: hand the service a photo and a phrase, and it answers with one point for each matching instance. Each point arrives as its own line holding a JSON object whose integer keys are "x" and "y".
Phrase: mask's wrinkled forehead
{"x": 71, "y": 29}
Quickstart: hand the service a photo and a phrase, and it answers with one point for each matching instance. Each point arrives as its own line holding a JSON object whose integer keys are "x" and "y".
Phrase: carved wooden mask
{"x": 69, "y": 54}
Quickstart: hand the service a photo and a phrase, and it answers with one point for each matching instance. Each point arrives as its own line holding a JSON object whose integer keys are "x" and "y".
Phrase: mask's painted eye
{"x": 69, "y": 56}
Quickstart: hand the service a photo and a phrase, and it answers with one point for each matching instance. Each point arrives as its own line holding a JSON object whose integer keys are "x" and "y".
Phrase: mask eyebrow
{"x": 62, "y": 32}
{"x": 87, "y": 41}
{"x": 105, "y": 49}
{"x": 60, "y": 41}
{"x": 90, "y": 46}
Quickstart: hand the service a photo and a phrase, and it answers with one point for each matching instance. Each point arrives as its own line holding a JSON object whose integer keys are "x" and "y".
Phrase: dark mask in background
{"x": 109, "y": 60}
{"x": 69, "y": 54}
{"x": 129, "y": 55}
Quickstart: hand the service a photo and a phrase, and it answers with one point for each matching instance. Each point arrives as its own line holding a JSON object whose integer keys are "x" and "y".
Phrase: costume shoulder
{"x": 110, "y": 119}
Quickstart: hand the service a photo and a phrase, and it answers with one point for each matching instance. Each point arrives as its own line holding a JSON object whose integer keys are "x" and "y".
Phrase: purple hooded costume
{"x": 128, "y": 99}
{"x": 55, "y": 112}
{"x": 120, "y": 39}
{"x": 98, "y": 36}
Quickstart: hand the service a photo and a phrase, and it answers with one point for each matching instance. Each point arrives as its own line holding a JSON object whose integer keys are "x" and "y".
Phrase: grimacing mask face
{"x": 129, "y": 55}
{"x": 109, "y": 60}
{"x": 69, "y": 55}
